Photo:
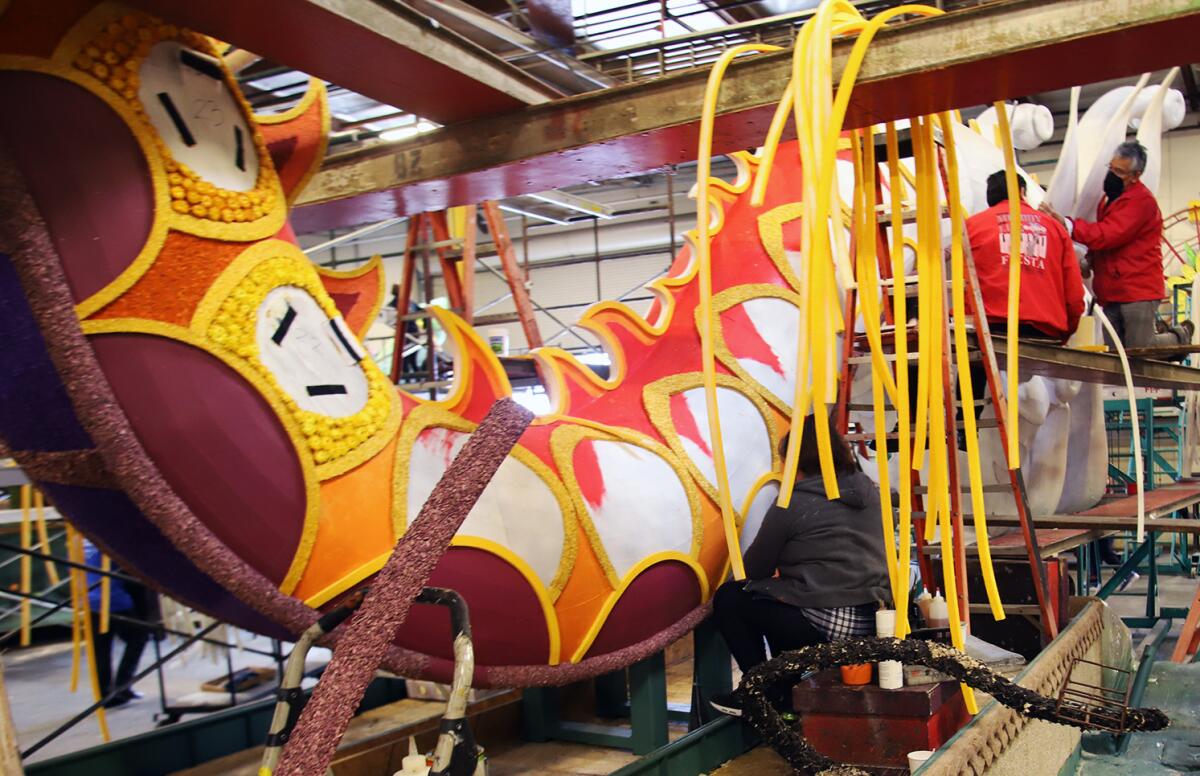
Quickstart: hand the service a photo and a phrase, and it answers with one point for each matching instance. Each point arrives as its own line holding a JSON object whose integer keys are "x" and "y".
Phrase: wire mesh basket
{"x": 1094, "y": 705}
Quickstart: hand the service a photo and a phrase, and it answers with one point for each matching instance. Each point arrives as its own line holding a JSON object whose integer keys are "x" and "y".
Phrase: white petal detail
{"x": 516, "y": 510}
{"x": 747, "y": 441}
{"x": 644, "y": 509}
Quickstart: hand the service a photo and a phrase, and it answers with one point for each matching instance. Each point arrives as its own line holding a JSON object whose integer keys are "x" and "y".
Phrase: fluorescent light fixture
{"x": 531, "y": 214}
{"x": 404, "y": 133}
{"x": 572, "y": 202}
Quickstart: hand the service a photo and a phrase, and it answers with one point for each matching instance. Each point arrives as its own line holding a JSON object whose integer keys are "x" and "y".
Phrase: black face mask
{"x": 1113, "y": 186}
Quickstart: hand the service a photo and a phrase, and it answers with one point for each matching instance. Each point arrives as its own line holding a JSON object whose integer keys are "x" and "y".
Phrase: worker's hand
{"x": 1045, "y": 208}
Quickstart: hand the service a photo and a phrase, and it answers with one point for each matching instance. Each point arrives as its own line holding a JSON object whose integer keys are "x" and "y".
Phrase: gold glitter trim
{"x": 730, "y": 298}
{"x": 657, "y": 399}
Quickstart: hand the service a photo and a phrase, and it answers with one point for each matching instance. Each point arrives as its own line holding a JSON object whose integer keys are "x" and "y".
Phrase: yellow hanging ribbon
{"x": 82, "y": 605}
{"x": 963, "y": 365}
{"x": 39, "y": 505}
{"x": 1014, "y": 283}
{"x": 903, "y": 416}
{"x": 867, "y": 274}
{"x": 704, "y": 274}
{"x": 26, "y": 568}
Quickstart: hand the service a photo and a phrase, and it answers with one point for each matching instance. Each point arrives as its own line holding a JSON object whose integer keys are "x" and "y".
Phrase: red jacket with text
{"x": 1051, "y": 287}
{"x": 1125, "y": 243}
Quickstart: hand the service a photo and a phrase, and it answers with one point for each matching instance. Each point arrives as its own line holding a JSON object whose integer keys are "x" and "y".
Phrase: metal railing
{"x": 656, "y": 59}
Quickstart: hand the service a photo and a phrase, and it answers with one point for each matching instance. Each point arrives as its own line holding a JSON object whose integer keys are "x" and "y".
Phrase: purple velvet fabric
{"x": 35, "y": 412}
{"x": 125, "y": 533}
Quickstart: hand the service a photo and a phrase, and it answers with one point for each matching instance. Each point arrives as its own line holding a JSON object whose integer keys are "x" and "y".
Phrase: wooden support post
{"x": 983, "y": 337}
{"x": 450, "y": 276}
{"x": 10, "y": 753}
{"x": 513, "y": 273}
{"x": 467, "y": 265}
{"x": 404, "y": 293}
{"x": 648, "y": 704}
{"x": 1187, "y": 636}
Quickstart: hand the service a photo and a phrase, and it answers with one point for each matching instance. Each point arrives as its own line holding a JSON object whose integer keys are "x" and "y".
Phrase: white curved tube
{"x": 1133, "y": 417}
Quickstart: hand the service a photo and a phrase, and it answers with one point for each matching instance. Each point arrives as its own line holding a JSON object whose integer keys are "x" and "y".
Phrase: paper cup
{"x": 917, "y": 759}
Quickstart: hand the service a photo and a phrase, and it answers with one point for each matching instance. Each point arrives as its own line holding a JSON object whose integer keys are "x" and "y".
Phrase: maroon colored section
{"x": 507, "y": 623}
{"x": 661, "y": 595}
{"x": 86, "y": 172}
{"x": 345, "y": 302}
{"x": 865, "y": 725}
{"x": 217, "y": 443}
{"x": 281, "y": 151}
{"x": 364, "y": 60}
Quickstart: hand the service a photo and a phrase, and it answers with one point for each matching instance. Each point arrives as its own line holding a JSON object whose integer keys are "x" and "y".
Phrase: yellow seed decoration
{"x": 115, "y": 56}
{"x": 234, "y": 328}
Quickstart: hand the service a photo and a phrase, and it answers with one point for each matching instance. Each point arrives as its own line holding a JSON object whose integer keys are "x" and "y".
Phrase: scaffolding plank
{"x": 998, "y": 50}
{"x": 1095, "y": 367}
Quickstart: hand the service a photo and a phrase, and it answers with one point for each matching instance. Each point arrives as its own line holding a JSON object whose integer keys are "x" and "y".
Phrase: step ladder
{"x": 1189, "y": 637}
{"x": 854, "y": 354}
{"x": 430, "y": 232}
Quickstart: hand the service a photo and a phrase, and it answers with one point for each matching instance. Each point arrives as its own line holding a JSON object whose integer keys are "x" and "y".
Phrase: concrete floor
{"x": 38, "y": 681}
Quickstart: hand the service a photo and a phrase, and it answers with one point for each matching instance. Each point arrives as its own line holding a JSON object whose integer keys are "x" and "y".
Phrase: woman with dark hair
{"x": 830, "y": 563}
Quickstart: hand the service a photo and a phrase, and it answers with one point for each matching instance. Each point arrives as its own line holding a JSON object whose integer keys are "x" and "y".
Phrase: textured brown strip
{"x": 23, "y": 234}
{"x": 988, "y": 735}
{"x": 84, "y": 468}
{"x": 367, "y": 636}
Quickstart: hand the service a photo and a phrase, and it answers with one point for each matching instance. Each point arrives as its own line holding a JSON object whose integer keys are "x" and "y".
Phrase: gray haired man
{"x": 1125, "y": 247}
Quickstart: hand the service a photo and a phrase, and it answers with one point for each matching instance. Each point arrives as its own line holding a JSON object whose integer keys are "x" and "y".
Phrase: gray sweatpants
{"x": 1134, "y": 324}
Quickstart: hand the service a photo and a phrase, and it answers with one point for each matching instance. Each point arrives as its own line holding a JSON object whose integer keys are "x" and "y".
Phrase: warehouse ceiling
{"x": 608, "y": 42}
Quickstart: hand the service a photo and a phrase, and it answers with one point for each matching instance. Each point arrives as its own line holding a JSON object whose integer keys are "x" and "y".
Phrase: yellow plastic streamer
{"x": 105, "y": 593}
{"x": 82, "y": 606}
{"x": 704, "y": 256}
{"x": 39, "y": 505}
{"x": 26, "y": 567}
{"x": 1014, "y": 282}
{"x": 930, "y": 293}
{"x": 900, "y": 316}
{"x": 865, "y": 229}
{"x": 970, "y": 431}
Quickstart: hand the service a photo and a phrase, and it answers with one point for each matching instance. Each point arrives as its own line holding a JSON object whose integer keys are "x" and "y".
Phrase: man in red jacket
{"x": 1051, "y": 295}
{"x": 1125, "y": 247}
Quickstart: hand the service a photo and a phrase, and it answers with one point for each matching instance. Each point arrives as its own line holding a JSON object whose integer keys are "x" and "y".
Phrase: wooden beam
{"x": 10, "y": 754}
{"x": 513, "y": 274}
{"x": 1093, "y": 367}
{"x": 386, "y": 51}
{"x": 997, "y": 50}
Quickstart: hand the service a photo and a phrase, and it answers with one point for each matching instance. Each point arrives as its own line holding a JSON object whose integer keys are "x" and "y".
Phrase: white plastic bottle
{"x": 939, "y": 612}
{"x": 413, "y": 763}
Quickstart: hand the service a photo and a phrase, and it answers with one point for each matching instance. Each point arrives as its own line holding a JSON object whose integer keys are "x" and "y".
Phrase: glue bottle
{"x": 413, "y": 763}
{"x": 923, "y": 601}
{"x": 939, "y": 612}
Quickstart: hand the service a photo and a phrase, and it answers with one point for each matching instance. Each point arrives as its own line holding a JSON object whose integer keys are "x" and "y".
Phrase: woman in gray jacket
{"x": 830, "y": 563}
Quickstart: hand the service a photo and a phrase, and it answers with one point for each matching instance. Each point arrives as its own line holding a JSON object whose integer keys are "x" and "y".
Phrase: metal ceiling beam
{"x": 995, "y": 51}
{"x": 385, "y": 51}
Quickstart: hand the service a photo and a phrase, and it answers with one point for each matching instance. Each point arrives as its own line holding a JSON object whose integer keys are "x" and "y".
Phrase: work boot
{"x": 1183, "y": 332}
